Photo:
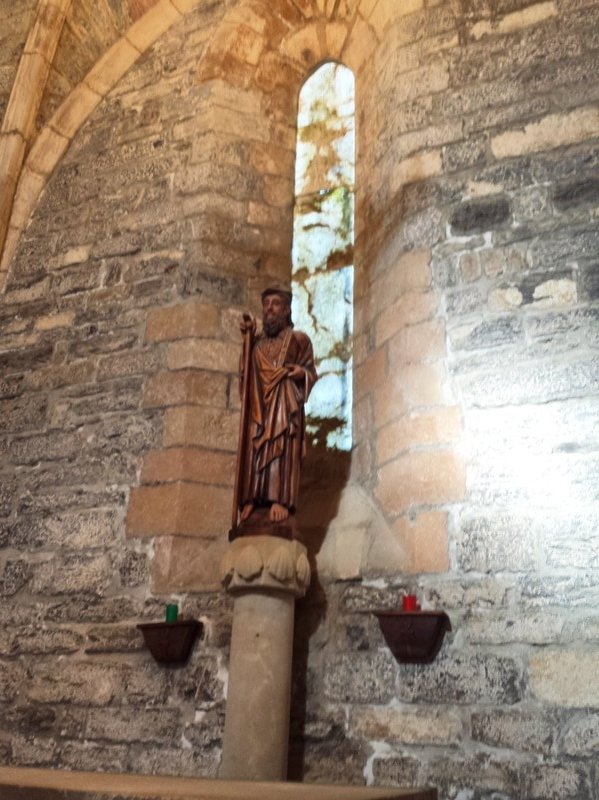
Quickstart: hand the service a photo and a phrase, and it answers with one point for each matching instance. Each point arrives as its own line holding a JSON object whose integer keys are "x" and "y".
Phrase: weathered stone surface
{"x": 575, "y": 193}
{"x": 489, "y": 774}
{"x": 360, "y": 678}
{"x": 113, "y": 639}
{"x": 479, "y": 216}
{"x": 77, "y": 682}
{"x": 529, "y": 731}
{"x": 14, "y": 577}
{"x": 132, "y": 725}
{"x": 492, "y": 333}
{"x": 73, "y": 574}
{"x": 407, "y": 727}
{"x": 530, "y": 628}
{"x": 187, "y": 509}
{"x": 565, "y": 677}
{"x": 551, "y": 380}
{"x": 581, "y": 736}
{"x": 337, "y": 762}
{"x": 463, "y": 678}
{"x": 47, "y": 641}
{"x": 134, "y": 569}
{"x": 497, "y": 543}
{"x": 556, "y": 781}
{"x": 396, "y": 771}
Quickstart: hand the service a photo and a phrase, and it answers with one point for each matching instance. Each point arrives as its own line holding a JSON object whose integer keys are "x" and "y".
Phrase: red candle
{"x": 409, "y": 602}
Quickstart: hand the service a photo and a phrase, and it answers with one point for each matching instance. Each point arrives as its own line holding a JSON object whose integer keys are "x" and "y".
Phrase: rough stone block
{"x": 406, "y": 726}
{"x": 554, "y": 781}
{"x": 572, "y": 194}
{"x": 189, "y": 464}
{"x": 503, "y": 330}
{"x": 462, "y": 678}
{"x": 189, "y": 319}
{"x": 24, "y": 414}
{"x": 207, "y": 354}
{"x": 201, "y": 426}
{"x": 186, "y": 564}
{"x": 358, "y": 678}
{"x": 73, "y": 574}
{"x": 412, "y": 387}
{"x": 534, "y": 382}
{"x": 417, "y": 167}
{"x": 113, "y": 639}
{"x": 15, "y": 575}
{"x": 473, "y": 773}
{"x": 421, "y": 342}
{"x": 555, "y": 130}
{"x": 409, "y": 309}
{"x": 133, "y": 725}
{"x": 372, "y": 372}
{"x": 46, "y": 642}
{"x": 425, "y": 541}
{"x": 497, "y": 543}
{"x": 528, "y": 731}
{"x": 478, "y": 216}
{"x": 86, "y": 756}
{"x": 525, "y": 628}
{"x": 418, "y": 428}
{"x": 420, "y": 478}
{"x": 187, "y": 509}
{"x": 566, "y": 678}
{"x": 396, "y": 771}
{"x": 78, "y": 682}
{"x": 581, "y": 736}
{"x": 140, "y": 362}
{"x": 184, "y": 387}
{"x": 467, "y": 592}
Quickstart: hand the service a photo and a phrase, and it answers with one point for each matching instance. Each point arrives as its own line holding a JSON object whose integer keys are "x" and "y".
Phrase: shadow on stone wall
{"x": 325, "y": 474}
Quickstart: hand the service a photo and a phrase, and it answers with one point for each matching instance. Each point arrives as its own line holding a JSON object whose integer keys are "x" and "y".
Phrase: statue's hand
{"x": 296, "y": 372}
{"x": 247, "y": 323}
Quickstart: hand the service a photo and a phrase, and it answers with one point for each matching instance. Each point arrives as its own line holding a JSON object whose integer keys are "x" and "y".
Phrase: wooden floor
{"x": 45, "y": 784}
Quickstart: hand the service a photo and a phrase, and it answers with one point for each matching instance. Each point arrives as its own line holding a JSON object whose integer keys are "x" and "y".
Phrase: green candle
{"x": 172, "y": 611}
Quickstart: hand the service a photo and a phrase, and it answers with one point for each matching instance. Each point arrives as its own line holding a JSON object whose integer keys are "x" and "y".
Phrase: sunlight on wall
{"x": 323, "y": 239}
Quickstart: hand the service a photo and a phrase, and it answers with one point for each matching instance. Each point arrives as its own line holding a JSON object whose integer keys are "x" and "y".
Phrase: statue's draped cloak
{"x": 275, "y": 441}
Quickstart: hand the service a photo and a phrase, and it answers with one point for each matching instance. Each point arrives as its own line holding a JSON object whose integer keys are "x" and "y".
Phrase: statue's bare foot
{"x": 246, "y": 511}
{"x": 278, "y": 513}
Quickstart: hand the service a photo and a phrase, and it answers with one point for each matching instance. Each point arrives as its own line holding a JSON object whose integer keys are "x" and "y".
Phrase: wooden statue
{"x": 276, "y": 376}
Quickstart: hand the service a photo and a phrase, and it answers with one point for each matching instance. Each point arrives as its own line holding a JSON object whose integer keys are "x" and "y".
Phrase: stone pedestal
{"x": 265, "y": 574}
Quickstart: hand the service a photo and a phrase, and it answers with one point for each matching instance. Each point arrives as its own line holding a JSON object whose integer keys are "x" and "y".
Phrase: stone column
{"x": 265, "y": 574}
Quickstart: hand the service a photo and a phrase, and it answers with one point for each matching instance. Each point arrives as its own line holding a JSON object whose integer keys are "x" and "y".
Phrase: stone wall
{"x": 474, "y": 472}
{"x": 476, "y": 404}
{"x": 15, "y": 19}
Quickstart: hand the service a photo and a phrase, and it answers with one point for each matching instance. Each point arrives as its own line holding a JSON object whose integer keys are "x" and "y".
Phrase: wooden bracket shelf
{"x": 414, "y": 637}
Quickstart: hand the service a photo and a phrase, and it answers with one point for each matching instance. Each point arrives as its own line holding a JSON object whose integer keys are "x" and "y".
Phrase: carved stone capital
{"x": 266, "y": 563}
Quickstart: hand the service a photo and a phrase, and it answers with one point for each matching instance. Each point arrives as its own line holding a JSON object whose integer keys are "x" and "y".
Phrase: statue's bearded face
{"x": 276, "y": 314}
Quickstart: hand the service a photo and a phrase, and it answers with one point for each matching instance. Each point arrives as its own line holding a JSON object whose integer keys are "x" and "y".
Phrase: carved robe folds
{"x": 276, "y": 432}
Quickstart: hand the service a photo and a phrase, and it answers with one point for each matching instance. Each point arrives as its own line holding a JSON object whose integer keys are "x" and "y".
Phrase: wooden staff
{"x": 243, "y": 421}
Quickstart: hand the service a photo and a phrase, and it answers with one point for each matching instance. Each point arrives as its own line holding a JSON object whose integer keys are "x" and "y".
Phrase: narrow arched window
{"x": 323, "y": 245}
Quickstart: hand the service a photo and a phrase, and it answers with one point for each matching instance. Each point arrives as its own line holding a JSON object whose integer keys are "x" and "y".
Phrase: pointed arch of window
{"x": 323, "y": 245}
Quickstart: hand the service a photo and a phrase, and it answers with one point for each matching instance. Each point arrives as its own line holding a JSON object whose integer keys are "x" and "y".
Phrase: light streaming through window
{"x": 323, "y": 245}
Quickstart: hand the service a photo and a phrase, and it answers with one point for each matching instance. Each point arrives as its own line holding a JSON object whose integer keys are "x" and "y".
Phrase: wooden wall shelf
{"x": 414, "y": 637}
{"x": 171, "y": 642}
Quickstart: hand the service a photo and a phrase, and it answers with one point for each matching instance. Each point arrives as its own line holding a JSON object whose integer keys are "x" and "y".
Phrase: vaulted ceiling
{"x": 59, "y": 59}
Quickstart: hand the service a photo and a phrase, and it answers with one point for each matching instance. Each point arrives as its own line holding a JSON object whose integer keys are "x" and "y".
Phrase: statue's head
{"x": 276, "y": 309}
